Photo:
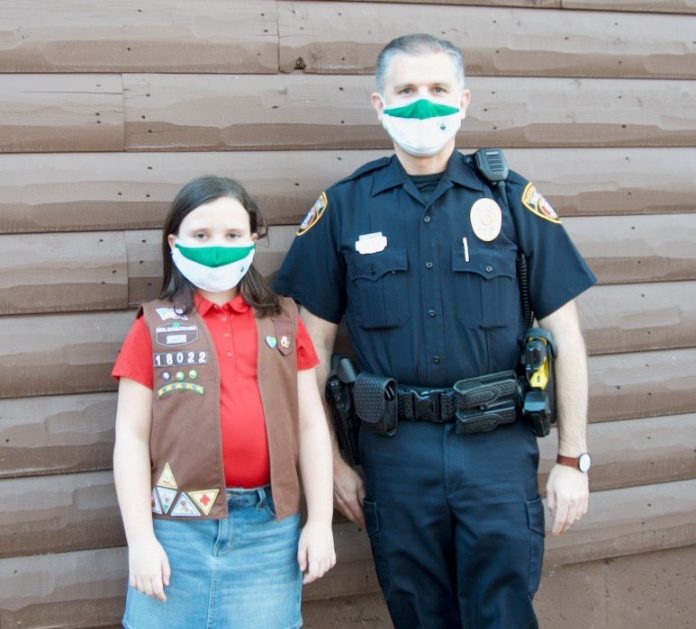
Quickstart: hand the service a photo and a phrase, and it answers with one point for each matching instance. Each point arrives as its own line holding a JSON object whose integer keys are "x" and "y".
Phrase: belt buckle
{"x": 426, "y": 407}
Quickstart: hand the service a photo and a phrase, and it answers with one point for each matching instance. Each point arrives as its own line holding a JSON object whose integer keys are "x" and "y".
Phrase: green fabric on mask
{"x": 422, "y": 110}
{"x": 214, "y": 257}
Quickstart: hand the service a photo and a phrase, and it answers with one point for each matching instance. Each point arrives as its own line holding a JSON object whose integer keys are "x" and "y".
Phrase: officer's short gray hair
{"x": 417, "y": 44}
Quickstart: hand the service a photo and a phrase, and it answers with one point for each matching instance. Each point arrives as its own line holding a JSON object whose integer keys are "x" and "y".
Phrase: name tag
{"x": 371, "y": 243}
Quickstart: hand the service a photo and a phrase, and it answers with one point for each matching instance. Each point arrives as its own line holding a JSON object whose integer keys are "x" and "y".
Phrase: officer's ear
{"x": 464, "y": 102}
{"x": 377, "y": 104}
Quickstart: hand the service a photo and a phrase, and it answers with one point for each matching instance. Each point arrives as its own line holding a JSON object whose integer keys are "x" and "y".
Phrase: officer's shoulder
{"x": 515, "y": 180}
{"x": 363, "y": 171}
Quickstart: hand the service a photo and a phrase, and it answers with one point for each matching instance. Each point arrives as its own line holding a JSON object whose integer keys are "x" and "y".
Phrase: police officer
{"x": 418, "y": 252}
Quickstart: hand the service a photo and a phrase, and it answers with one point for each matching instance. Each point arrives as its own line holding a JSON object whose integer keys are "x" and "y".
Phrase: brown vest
{"x": 185, "y": 444}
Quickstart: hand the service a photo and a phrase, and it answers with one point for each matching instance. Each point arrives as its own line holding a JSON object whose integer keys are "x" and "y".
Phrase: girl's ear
{"x": 254, "y": 236}
{"x": 171, "y": 239}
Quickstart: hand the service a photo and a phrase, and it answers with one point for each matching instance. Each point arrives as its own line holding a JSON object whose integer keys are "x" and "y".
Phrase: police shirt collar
{"x": 458, "y": 171}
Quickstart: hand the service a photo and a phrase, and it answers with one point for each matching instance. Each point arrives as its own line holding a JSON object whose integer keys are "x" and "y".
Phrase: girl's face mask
{"x": 421, "y": 128}
{"x": 215, "y": 269}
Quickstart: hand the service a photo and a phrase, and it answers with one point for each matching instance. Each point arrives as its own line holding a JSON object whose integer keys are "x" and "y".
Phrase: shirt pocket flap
{"x": 487, "y": 262}
{"x": 373, "y": 266}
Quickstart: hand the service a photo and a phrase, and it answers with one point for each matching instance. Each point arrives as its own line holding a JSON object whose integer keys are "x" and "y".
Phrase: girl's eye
{"x": 199, "y": 236}
{"x": 232, "y": 235}
{"x": 406, "y": 91}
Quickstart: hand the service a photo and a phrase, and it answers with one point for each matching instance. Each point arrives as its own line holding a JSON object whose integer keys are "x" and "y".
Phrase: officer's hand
{"x": 349, "y": 491}
{"x": 567, "y": 492}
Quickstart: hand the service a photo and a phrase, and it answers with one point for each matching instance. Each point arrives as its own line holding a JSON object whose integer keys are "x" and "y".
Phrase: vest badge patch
{"x": 271, "y": 341}
{"x": 204, "y": 499}
{"x": 166, "y": 497}
{"x": 185, "y": 508}
{"x": 314, "y": 214}
{"x": 285, "y": 342}
{"x": 537, "y": 204}
{"x": 170, "y": 313}
{"x": 180, "y": 386}
{"x": 155, "y": 503}
{"x": 176, "y": 333}
{"x": 166, "y": 478}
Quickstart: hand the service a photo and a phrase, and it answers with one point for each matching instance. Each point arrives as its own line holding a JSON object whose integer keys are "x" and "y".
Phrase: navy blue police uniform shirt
{"x": 421, "y": 303}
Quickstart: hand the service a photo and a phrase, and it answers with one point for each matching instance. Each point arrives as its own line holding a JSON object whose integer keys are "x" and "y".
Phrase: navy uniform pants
{"x": 456, "y": 525}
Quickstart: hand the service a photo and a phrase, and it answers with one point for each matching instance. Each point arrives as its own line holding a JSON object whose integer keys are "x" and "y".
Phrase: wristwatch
{"x": 582, "y": 462}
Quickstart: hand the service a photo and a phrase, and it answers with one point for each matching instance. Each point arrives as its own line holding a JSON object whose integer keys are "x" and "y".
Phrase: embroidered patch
{"x": 204, "y": 498}
{"x": 166, "y": 497}
{"x": 170, "y": 313}
{"x": 173, "y": 387}
{"x": 176, "y": 334}
{"x": 166, "y": 478}
{"x": 271, "y": 342}
{"x": 169, "y": 359}
{"x": 155, "y": 503}
{"x": 313, "y": 215}
{"x": 185, "y": 508}
{"x": 533, "y": 201}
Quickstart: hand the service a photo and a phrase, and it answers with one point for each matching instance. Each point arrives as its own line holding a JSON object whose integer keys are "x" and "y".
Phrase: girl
{"x": 217, "y": 405}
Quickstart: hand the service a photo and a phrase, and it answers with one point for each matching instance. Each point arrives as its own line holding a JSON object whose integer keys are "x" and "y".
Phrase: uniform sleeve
{"x": 313, "y": 272}
{"x": 306, "y": 354}
{"x": 134, "y": 359}
{"x": 557, "y": 271}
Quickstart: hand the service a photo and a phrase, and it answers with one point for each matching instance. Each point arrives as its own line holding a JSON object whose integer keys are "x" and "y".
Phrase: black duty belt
{"x": 477, "y": 404}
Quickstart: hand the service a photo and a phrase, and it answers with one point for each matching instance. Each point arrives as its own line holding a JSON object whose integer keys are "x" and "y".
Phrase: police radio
{"x": 537, "y": 346}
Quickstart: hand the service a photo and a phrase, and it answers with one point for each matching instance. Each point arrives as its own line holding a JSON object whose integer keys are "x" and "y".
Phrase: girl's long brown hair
{"x": 253, "y": 286}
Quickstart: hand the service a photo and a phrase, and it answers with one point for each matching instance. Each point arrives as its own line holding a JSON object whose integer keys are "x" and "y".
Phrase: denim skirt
{"x": 237, "y": 573}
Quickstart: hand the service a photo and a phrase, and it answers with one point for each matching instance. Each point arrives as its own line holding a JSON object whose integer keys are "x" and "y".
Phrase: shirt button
{"x": 436, "y": 360}
{"x": 227, "y": 335}
{"x": 489, "y": 268}
{"x": 428, "y": 265}
{"x": 223, "y": 318}
{"x": 426, "y": 219}
{"x": 228, "y": 354}
{"x": 431, "y": 312}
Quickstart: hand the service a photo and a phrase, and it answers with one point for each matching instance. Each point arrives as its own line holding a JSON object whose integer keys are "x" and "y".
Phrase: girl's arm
{"x": 315, "y": 553}
{"x": 148, "y": 564}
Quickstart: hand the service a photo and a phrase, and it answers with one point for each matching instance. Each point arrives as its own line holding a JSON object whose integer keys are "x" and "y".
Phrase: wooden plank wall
{"x": 105, "y": 111}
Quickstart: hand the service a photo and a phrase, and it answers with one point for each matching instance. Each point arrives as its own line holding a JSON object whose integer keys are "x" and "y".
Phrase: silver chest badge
{"x": 486, "y": 219}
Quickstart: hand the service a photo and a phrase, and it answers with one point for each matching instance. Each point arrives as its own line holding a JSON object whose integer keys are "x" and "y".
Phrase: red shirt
{"x": 243, "y": 430}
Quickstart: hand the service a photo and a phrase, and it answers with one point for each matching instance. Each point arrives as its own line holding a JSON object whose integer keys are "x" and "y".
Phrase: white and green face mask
{"x": 421, "y": 128}
{"x": 215, "y": 269}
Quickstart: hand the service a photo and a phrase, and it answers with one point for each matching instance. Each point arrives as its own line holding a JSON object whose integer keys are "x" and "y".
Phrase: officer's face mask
{"x": 421, "y": 128}
{"x": 214, "y": 269}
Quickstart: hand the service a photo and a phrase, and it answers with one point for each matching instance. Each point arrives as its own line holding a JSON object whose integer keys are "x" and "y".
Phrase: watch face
{"x": 584, "y": 462}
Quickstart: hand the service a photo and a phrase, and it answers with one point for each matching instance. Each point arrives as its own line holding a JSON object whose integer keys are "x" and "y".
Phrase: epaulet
{"x": 365, "y": 168}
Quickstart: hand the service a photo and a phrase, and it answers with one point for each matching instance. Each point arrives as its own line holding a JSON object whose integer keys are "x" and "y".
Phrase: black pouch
{"x": 484, "y": 403}
{"x": 375, "y": 403}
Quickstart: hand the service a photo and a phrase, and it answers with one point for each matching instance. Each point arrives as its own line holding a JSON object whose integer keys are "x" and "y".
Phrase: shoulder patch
{"x": 537, "y": 204}
{"x": 314, "y": 214}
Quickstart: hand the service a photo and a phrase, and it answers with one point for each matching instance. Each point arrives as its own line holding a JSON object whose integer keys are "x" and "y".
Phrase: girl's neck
{"x": 219, "y": 298}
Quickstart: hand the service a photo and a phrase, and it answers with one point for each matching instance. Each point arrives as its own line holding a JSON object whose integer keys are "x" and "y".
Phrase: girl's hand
{"x": 148, "y": 568}
{"x": 315, "y": 552}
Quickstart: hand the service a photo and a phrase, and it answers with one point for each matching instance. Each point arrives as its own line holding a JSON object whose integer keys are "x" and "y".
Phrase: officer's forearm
{"x": 323, "y": 334}
{"x": 571, "y": 380}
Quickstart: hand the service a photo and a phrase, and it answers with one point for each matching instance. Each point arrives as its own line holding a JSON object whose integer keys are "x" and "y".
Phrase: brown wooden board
{"x": 642, "y": 384}
{"x": 345, "y": 37}
{"x": 79, "y": 511}
{"x": 78, "y": 589}
{"x": 638, "y": 317}
{"x": 93, "y": 191}
{"x": 61, "y": 272}
{"x": 50, "y": 354}
{"x": 194, "y": 112}
{"x": 175, "y": 36}
{"x": 63, "y": 112}
{"x": 623, "y": 249}
{"x": 59, "y": 513}
{"x": 56, "y": 434}
{"x": 633, "y": 452}
{"x": 648, "y": 6}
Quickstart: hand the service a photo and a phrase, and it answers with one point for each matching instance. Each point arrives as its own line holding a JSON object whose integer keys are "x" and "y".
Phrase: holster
{"x": 375, "y": 403}
{"x": 484, "y": 403}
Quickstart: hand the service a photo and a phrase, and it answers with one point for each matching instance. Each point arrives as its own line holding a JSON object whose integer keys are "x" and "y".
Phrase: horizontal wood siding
{"x": 131, "y": 36}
